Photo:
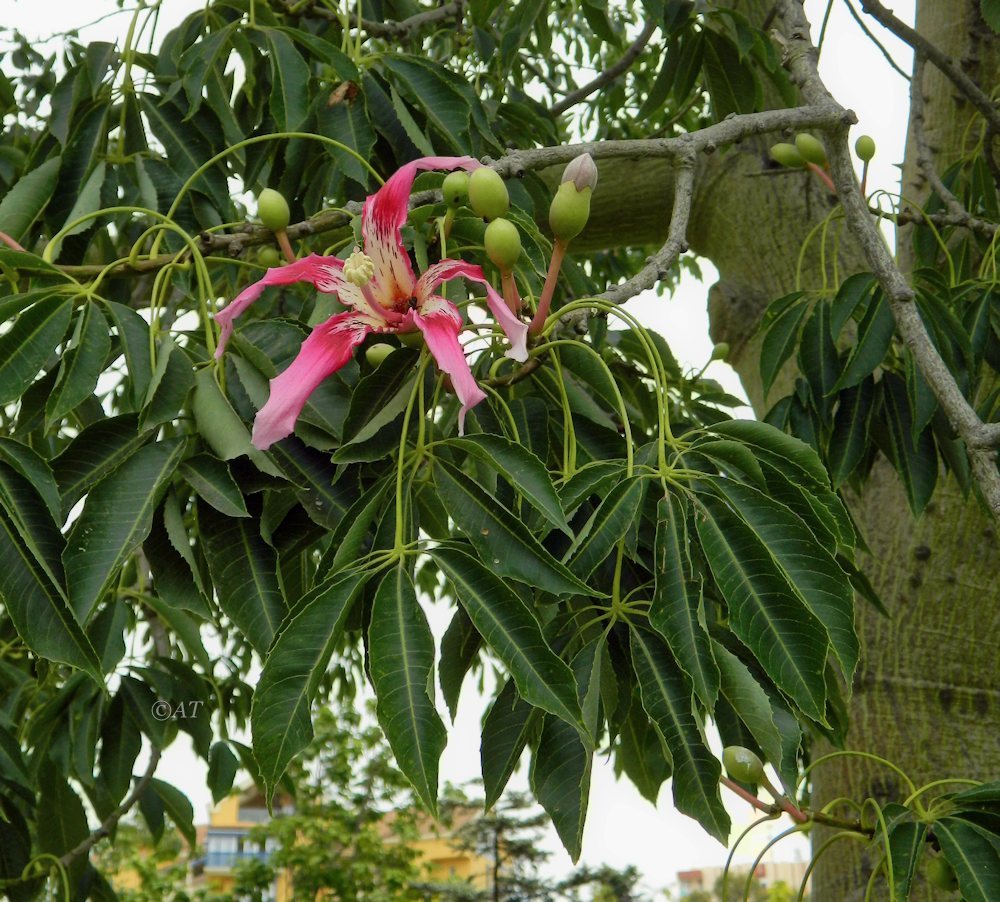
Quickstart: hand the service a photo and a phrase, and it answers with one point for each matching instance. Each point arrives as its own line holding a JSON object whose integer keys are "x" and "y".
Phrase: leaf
{"x": 780, "y": 340}
{"x": 677, "y": 609}
{"x": 752, "y": 706}
{"x": 133, "y": 335}
{"x": 500, "y": 537}
{"x": 991, "y": 14}
{"x": 401, "y": 655}
{"x": 505, "y": 734}
{"x": 169, "y": 386}
{"x": 818, "y": 358}
{"x": 606, "y": 527}
{"x": 222, "y": 768}
{"x": 808, "y": 567}
{"x": 347, "y": 544}
{"x": 178, "y": 809}
{"x": 87, "y": 201}
{"x": 915, "y": 460}
{"x": 642, "y": 754}
{"x": 115, "y": 520}
{"x": 289, "y": 98}
{"x": 443, "y": 105}
{"x": 211, "y": 479}
{"x": 81, "y": 365}
{"x": 666, "y": 697}
{"x": 974, "y": 855}
{"x": 347, "y": 122}
{"x": 459, "y": 646}
{"x": 65, "y": 819}
{"x": 221, "y": 426}
{"x": 764, "y": 613}
{"x": 37, "y": 605}
{"x": 906, "y": 845}
{"x": 410, "y": 126}
{"x": 24, "y": 203}
{"x": 36, "y": 470}
{"x": 380, "y": 396}
{"x": 851, "y": 425}
{"x": 851, "y": 293}
{"x": 520, "y": 468}
{"x": 593, "y": 479}
{"x": 874, "y": 337}
{"x": 244, "y": 572}
{"x": 121, "y": 743}
{"x": 290, "y": 678}
{"x": 731, "y": 80}
{"x": 511, "y": 630}
{"x": 26, "y": 347}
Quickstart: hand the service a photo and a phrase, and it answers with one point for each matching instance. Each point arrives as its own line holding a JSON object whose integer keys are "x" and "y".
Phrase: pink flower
{"x": 389, "y": 298}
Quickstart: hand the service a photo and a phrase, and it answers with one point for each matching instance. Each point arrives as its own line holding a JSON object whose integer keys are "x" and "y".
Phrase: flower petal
{"x": 385, "y": 213}
{"x": 322, "y": 272}
{"x": 441, "y": 322}
{"x": 516, "y": 331}
{"x": 327, "y": 348}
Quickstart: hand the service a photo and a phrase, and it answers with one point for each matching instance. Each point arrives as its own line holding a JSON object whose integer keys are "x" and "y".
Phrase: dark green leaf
{"x": 222, "y": 768}
{"x": 511, "y": 630}
{"x": 116, "y": 518}
{"x": 178, "y": 809}
{"x": 642, "y": 755}
{"x": 906, "y": 845}
{"x": 26, "y": 347}
{"x": 24, "y": 203}
{"x": 666, "y": 697}
{"x": 81, "y": 365}
{"x": 290, "y": 76}
{"x": 851, "y": 424}
{"x": 875, "y": 333}
{"x": 915, "y": 460}
{"x": 280, "y": 717}
{"x": 211, "y": 479}
{"x": 677, "y": 611}
{"x": 975, "y": 856}
{"x": 401, "y": 653}
{"x": 731, "y": 80}
{"x": 605, "y": 528}
{"x": 818, "y": 358}
{"x": 780, "y": 340}
{"x": 505, "y": 733}
{"x": 560, "y": 780}
{"x": 459, "y": 646}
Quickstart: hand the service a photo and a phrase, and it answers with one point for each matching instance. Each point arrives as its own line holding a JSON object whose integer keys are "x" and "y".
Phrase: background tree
{"x": 634, "y": 561}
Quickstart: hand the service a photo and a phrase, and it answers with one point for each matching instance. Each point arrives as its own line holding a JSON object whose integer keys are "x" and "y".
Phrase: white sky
{"x": 622, "y": 828}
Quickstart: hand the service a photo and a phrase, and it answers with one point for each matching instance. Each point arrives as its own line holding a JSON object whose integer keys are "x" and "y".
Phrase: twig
{"x": 871, "y": 37}
{"x": 393, "y": 30}
{"x": 938, "y": 57}
{"x": 609, "y": 74}
{"x": 981, "y": 440}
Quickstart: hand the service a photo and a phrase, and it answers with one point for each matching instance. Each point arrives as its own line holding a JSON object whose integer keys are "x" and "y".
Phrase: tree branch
{"x": 609, "y": 74}
{"x": 938, "y": 57}
{"x": 391, "y": 30}
{"x": 800, "y": 60}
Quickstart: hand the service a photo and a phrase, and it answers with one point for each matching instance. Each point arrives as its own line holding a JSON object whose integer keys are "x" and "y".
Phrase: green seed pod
{"x": 268, "y": 256}
{"x": 787, "y": 155}
{"x": 941, "y": 874}
{"x": 742, "y": 764}
{"x": 811, "y": 149}
{"x": 503, "y": 243}
{"x": 488, "y": 194}
{"x": 864, "y": 147}
{"x": 720, "y": 351}
{"x": 375, "y": 354}
{"x": 455, "y": 188}
{"x": 569, "y": 212}
{"x": 273, "y": 210}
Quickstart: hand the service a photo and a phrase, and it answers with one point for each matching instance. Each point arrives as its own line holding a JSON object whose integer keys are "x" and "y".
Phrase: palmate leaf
{"x": 81, "y": 365}
{"x": 401, "y": 653}
{"x": 605, "y": 528}
{"x": 677, "y": 610}
{"x": 810, "y": 571}
{"x": 974, "y": 853}
{"x": 511, "y": 630}
{"x": 502, "y": 538}
{"x": 666, "y": 697}
{"x": 117, "y": 517}
{"x": 26, "y": 347}
{"x": 279, "y": 717}
{"x": 906, "y": 845}
{"x": 765, "y": 613}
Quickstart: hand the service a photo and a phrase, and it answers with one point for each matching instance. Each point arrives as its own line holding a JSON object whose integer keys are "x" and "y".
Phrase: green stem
{"x": 398, "y": 543}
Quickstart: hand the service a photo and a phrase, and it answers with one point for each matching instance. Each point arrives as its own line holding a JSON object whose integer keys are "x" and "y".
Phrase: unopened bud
{"x": 811, "y": 149}
{"x": 455, "y": 188}
{"x": 864, "y": 147}
{"x": 569, "y": 211}
{"x": 582, "y": 172}
{"x": 742, "y": 764}
{"x": 375, "y": 354}
{"x": 359, "y": 268}
{"x": 273, "y": 210}
{"x": 488, "y": 194}
{"x": 268, "y": 256}
{"x": 720, "y": 351}
{"x": 787, "y": 155}
{"x": 503, "y": 243}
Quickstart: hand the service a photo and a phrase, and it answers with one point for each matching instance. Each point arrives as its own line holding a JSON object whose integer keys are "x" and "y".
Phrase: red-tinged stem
{"x": 11, "y": 243}
{"x": 545, "y": 301}
{"x": 510, "y": 292}
{"x": 823, "y": 177}
{"x": 786, "y": 804}
{"x": 745, "y": 794}
{"x": 281, "y": 236}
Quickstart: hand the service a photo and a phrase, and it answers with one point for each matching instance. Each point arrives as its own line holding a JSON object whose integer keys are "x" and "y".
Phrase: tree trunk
{"x": 927, "y": 692}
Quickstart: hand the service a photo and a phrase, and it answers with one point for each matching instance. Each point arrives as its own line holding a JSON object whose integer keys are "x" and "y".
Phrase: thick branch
{"x": 609, "y": 74}
{"x": 801, "y": 63}
{"x": 977, "y": 97}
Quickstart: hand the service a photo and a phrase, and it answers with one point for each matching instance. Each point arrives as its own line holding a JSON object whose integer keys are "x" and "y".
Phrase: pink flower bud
{"x": 582, "y": 172}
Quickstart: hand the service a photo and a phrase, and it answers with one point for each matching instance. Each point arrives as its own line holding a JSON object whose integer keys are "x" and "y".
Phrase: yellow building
{"x": 226, "y": 841}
